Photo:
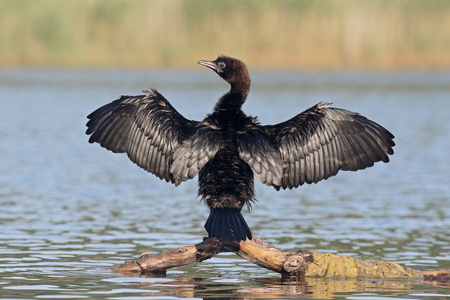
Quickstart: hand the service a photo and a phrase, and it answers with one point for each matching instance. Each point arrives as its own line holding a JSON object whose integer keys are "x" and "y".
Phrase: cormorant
{"x": 228, "y": 147}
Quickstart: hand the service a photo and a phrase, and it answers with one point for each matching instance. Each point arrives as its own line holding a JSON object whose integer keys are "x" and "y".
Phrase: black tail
{"x": 227, "y": 224}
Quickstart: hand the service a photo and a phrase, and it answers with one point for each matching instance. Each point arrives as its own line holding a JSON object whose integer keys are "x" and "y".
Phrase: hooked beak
{"x": 210, "y": 64}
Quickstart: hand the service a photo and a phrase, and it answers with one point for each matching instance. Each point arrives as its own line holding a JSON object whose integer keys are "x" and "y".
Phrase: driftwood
{"x": 289, "y": 263}
{"x": 256, "y": 251}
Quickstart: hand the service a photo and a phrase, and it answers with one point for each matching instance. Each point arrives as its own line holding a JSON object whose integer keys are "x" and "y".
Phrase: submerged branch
{"x": 255, "y": 250}
{"x": 299, "y": 263}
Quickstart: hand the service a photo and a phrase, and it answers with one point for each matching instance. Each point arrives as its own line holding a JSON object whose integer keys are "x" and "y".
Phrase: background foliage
{"x": 284, "y": 34}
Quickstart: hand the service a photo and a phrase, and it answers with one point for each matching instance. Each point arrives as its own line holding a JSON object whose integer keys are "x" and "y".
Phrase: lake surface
{"x": 70, "y": 210}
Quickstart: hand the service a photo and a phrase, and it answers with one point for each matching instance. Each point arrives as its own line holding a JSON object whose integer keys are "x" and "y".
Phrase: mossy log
{"x": 297, "y": 263}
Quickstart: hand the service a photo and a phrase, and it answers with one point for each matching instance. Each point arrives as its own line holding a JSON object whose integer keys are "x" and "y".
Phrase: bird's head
{"x": 232, "y": 70}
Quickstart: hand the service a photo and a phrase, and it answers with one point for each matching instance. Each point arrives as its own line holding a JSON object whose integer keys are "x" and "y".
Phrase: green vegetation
{"x": 264, "y": 33}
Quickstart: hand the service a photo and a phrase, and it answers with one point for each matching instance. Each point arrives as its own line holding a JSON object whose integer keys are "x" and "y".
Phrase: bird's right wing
{"x": 154, "y": 135}
{"x": 322, "y": 140}
{"x": 313, "y": 146}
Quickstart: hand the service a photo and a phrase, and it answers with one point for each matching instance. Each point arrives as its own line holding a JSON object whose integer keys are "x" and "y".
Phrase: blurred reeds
{"x": 385, "y": 34}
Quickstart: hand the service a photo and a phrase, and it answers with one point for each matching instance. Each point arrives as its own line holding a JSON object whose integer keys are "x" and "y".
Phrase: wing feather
{"x": 152, "y": 133}
{"x": 313, "y": 146}
{"x": 194, "y": 153}
{"x": 259, "y": 153}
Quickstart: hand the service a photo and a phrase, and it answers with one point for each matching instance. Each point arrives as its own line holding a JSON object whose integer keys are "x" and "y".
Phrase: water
{"x": 69, "y": 210}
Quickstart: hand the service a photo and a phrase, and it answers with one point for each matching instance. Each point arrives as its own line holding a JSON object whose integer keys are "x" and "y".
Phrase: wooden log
{"x": 297, "y": 263}
{"x": 179, "y": 257}
{"x": 270, "y": 257}
{"x": 255, "y": 250}
{"x": 438, "y": 277}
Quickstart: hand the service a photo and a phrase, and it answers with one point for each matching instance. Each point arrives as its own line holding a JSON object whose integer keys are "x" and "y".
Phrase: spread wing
{"x": 259, "y": 152}
{"x": 317, "y": 143}
{"x": 154, "y": 135}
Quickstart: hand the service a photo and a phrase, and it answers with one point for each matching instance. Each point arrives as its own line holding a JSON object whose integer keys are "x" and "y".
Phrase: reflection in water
{"x": 69, "y": 210}
{"x": 266, "y": 288}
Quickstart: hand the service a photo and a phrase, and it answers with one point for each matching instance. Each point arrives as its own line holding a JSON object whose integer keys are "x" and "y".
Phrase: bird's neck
{"x": 235, "y": 98}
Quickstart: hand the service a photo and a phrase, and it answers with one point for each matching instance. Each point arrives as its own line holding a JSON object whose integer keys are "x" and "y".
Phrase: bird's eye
{"x": 222, "y": 65}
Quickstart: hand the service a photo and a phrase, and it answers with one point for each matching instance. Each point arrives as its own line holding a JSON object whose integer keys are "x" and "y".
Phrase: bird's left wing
{"x": 154, "y": 135}
{"x": 313, "y": 146}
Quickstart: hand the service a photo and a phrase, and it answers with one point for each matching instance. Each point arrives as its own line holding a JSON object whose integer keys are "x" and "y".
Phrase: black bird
{"x": 228, "y": 147}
